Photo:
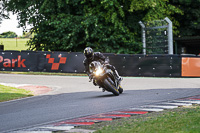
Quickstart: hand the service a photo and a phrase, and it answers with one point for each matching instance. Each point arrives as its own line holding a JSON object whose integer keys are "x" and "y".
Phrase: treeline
{"x": 8, "y": 34}
{"x": 105, "y": 25}
{"x": 11, "y": 34}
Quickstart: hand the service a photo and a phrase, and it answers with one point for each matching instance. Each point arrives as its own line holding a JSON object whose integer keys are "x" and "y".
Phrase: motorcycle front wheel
{"x": 111, "y": 87}
{"x": 120, "y": 89}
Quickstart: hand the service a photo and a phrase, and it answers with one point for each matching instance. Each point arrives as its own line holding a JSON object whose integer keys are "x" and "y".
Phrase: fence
{"x": 127, "y": 65}
{"x": 157, "y": 36}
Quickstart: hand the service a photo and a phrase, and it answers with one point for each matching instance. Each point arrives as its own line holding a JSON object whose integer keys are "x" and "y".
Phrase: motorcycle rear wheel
{"x": 111, "y": 87}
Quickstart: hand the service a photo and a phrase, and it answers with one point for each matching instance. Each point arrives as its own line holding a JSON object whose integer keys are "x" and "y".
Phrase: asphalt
{"x": 73, "y": 97}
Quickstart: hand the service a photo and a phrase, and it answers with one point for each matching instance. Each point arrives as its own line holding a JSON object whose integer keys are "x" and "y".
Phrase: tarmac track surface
{"x": 74, "y": 97}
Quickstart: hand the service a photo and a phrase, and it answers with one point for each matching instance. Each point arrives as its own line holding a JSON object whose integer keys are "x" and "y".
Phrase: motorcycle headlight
{"x": 98, "y": 71}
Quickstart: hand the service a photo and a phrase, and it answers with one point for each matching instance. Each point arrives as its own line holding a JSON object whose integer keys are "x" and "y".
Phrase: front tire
{"x": 111, "y": 87}
{"x": 120, "y": 89}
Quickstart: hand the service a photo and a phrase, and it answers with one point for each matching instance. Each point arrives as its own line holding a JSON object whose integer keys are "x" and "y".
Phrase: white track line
{"x": 179, "y": 104}
{"x": 63, "y": 128}
{"x": 48, "y": 128}
{"x": 189, "y": 101}
{"x": 147, "y": 109}
{"x": 14, "y": 85}
{"x": 162, "y": 106}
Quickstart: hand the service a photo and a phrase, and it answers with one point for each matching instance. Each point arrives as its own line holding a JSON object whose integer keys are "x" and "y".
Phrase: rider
{"x": 97, "y": 56}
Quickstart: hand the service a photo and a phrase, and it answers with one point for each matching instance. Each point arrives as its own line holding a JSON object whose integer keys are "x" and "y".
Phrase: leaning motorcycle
{"x": 104, "y": 78}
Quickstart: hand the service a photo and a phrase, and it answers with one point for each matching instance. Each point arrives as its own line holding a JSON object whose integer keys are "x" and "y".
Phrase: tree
{"x": 105, "y": 25}
{"x": 190, "y": 19}
{"x": 8, "y": 34}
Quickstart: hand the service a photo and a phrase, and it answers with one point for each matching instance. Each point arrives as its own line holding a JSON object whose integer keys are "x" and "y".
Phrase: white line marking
{"x": 195, "y": 102}
{"x": 14, "y": 85}
{"x": 179, "y": 104}
{"x": 148, "y": 109}
{"x": 162, "y": 107}
{"x": 64, "y": 128}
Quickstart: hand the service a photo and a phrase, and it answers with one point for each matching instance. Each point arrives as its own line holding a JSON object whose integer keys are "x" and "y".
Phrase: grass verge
{"x": 181, "y": 120}
{"x": 11, "y": 93}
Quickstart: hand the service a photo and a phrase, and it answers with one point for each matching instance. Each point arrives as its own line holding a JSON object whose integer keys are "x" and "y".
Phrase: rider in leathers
{"x": 97, "y": 56}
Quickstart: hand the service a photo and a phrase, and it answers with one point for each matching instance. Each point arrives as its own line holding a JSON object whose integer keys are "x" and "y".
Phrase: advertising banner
{"x": 64, "y": 62}
{"x": 127, "y": 65}
{"x": 191, "y": 67}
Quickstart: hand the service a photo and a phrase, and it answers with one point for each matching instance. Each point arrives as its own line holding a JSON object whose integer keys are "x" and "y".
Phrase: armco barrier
{"x": 127, "y": 65}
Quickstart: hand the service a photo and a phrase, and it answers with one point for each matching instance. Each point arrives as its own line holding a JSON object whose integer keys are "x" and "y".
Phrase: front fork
{"x": 113, "y": 77}
{"x": 99, "y": 81}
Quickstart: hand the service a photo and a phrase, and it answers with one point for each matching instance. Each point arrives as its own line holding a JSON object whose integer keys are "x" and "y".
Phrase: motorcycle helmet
{"x": 88, "y": 52}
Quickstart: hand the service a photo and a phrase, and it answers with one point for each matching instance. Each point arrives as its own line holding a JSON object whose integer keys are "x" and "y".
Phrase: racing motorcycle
{"x": 104, "y": 78}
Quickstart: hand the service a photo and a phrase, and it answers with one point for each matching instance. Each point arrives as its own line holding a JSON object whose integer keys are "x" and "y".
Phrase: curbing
{"x": 69, "y": 125}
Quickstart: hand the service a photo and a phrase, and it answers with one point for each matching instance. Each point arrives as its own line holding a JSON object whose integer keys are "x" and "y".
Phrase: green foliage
{"x": 8, "y": 34}
{"x": 183, "y": 120}
{"x": 190, "y": 19}
{"x": 2, "y": 14}
{"x": 105, "y": 25}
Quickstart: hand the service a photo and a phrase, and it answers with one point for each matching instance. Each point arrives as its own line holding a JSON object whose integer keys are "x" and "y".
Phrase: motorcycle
{"x": 104, "y": 78}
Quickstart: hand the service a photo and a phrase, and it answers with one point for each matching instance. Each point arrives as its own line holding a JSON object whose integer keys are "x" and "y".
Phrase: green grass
{"x": 14, "y": 44}
{"x": 181, "y": 120}
{"x": 11, "y": 93}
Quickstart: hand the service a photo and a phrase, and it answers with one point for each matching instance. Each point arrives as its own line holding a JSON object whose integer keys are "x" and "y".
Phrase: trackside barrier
{"x": 127, "y": 65}
{"x": 190, "y": 66}
{"x": 147, "y": 65}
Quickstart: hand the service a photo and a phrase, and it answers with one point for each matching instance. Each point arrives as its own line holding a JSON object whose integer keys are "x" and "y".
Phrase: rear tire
{"x": 111, "y": 87}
